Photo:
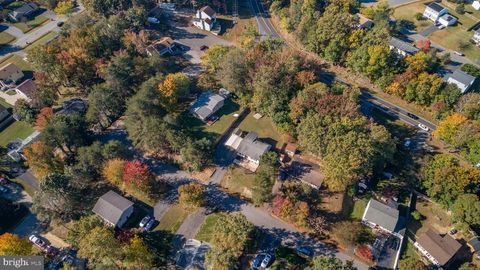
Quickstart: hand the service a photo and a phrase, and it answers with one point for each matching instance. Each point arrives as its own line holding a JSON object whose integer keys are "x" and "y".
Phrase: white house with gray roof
{"x": 402, "y": 48}
{"x": 462, "y": 80}
{"x": 247, "y": 146}
{"x": 207, "y": 104}
{"x": 381, "y": 216}
{"x": 113, "y": 208}
{"x": 434, "y": 11}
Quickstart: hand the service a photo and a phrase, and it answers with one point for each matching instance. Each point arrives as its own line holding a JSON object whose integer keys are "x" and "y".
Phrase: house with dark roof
{"x": 402, "y": 48}
{"x": 462, "y": 80}
{"x": 440, "y": 250}
{"x": 434, "y": 11}
{"x": 165, "y": 45}
{"x": 10, "y": 74}
{"x": 307, "y": 172}
{"x": 205, "y": 18}
{"x": 23, "y": 12}
{"x": 113, "y": 208}
{"x": 207, "y": 104}
{"x": 378, "y": 215}
{"x": 5, "y": 117}
{"x": 26, "y": 89}
{"x": 248, "y": 147}
{"x": 474, "y": 245}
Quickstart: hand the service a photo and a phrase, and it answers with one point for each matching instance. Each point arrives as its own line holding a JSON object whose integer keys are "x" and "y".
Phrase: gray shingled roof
{"x": 475, "y": 244}
{"x": 208, "y": 10}
{"x": 441, "y": 248}
{"x": 384, "y": 216}
{"x": 252, "y": 147}
{"x": 205, "y": 104}
{"x": 111, "y": 206}
{"x": 435, "y": 6}
{"x": 404, "y": 46}
{"x": 462, "y": 77}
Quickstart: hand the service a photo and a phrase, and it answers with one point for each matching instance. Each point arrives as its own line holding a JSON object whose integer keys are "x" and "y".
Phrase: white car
{"x": 37, "y": 241}
{"x": 423, "y": 127}
{"x": 458, "y": 53}
{"x": 144, "y": 221}
{"x": 266, "y": 261}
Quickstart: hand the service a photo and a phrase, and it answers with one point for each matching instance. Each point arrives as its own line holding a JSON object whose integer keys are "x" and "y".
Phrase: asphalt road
{"x": 265, "y": 27}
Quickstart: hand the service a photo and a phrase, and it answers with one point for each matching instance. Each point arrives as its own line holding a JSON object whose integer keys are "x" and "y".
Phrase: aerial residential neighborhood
{"x": 332, "y": 135}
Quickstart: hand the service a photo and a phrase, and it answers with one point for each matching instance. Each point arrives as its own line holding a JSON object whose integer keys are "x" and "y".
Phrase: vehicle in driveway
{"x": 305, "y": 251}
{"x": 36, "y": 240}
{"x": 153, "y": 20}
{"x": 144, "y": 221}
{"x": 149, "y": 226}
{"x": 266, "y": 261}
{"x": 257, "y": 262}
{"x": 458, "y": 53}
{"x": 204, "y": 48}
{"x": 423, "y": 127}
{"x": 413, "y": 116}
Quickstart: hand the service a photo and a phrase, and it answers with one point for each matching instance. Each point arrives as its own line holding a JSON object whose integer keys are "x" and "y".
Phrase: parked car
{"x": 266, "y": 261}
{"x": 52, "y": 251}
{"x": 3, "y": 189}
{"x": 413, "y": 116}
{"x": 153, "y": 20}
{"x": 67, "y": 259}
{"x": 423, "y": 127}
{"x": 257, "y": 262}
{"x": 60, "y": 23}
{"x": 203, "y": 47}
{"x": 149, "y": 226}
{"x": 458, "y": 53}
{"x": 36, "y": 240}
{"x": 305, "y": 251}
{"x": 144, "y": 221}
{"x": 453, "y": 231}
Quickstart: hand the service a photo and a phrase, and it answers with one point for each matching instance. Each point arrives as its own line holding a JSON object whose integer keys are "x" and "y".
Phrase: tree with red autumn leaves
{"x": 137, "y": 175}
{"x": 364, "y": 252}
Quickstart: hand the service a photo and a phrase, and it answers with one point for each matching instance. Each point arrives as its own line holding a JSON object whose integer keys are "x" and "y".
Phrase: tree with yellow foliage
{"x": 175, "y": 86}
{"x": 449, "y": 127}
{"x": 13, "y": 245}
{"x": 113, "y": 171}
{"x": 42, "y": 160}
{"x": 64, "y": 7}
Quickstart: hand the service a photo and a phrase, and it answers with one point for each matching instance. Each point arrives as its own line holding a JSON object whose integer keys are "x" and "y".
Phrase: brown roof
{"x": 208, "y": 10}
{"x": 27, "y": 87}
{"x": 8, "y": 70}
{"x": 441, "y": 248}
{"x": 166, "y": 41}
{"x": 291, "y": 147}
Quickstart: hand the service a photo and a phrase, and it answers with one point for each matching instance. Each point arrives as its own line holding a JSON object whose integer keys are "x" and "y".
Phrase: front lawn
{"x": 18, "y": 61}
{"x": 42, "y": 40}
{"x": 6, "y": 38}
{"x": 26, "y": 27}
{"x": 239, "y": 180}
{"x": 206, "y": 230}
{"x": 16, "y": 130}
{"x": 407, "y": 12}
{"x": 265, "y": 129}
{"x": 432, "y": 217}
{"x": 453, "y": 37}
{"x": 173, "y": 218}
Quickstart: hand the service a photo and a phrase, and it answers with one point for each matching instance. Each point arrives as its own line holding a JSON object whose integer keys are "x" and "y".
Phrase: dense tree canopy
{"x": 13, "y": 245}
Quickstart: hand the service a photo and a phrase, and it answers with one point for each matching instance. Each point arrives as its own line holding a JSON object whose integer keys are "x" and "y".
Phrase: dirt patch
{"x": 204, "y": 175}
{"x": 433, "y": 216}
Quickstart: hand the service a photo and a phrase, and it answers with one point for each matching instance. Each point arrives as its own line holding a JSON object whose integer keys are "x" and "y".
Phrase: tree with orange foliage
{"x": 423, "y": 45}
{"x": 174, "y": 87}
{"x": 13, "y": 245}
{"x": 305, "y": 77}
{"x": 364, "y": 252}
{"x": 448, "y": 129}
{"x": 43, "y": 118}
{"x": 113, "y": 171}
{"x": 42, "y": 159}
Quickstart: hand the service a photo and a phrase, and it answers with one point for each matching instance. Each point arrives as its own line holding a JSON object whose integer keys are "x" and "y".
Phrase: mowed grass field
{"x": 239, "y": 180}
{"x": 265, "y": 129}
{"x": 26, "y": 27}
{"x": 6, "y": 38}
{"x": 16, "y": 130}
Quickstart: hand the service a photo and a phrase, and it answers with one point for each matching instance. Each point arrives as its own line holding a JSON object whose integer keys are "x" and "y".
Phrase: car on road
{"x": 149, "y": 226}
{"x": 413, "y": 116}
{"x": 305, "y": 251}
{"x": 60, "y": 23}
{"x": 266, "y": 261}
{"x": 458, "y": 53}
{"x": 423, "y": 127}
{"x": 257, "y": 262}
{"x": 144, "y": 221}
{"x": 204, "y": 48}
{"x": 36, "y": 240}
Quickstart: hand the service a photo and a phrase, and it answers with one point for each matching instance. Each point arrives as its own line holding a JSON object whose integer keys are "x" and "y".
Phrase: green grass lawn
{"x": 206, "y": 230}
{"x": 452, "y": 37}
{"x": 17, "y": 129}
{"x": 239, "y": 180}
{"x": 6, "y": 38}
{"x": 358, "y": 209}
{"x": 408, "y": 12}
{"x": 18, "y": 61}
{"x": 173, "y": 218}
{"x": 265, "y": 129}
{"x": 213, "y": 132}
{"x": 42, "y": 40}
{"x": 26, "y": 186}
{"x": 4, "y": 103}
{"x": 26, "y": 27}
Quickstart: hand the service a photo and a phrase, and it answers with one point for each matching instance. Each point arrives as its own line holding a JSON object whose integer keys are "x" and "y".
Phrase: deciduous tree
{"x": 191, "y": 195}
{"x": 324, "y": 262}
{"x": 113, "y": 171}
{"x": 13, "y": 245}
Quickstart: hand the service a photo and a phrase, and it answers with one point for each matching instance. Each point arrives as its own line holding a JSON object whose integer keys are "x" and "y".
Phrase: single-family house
{"x": 5, "y": 117}
{"x": 447, "y": 20}
{"x": 476, "y": 35}
{"x": 462, "y": 80}
{"x": 165, "y": 45}
{"x": 440, "y": 250}
{"x": 307, "y": 172}
{"x": 113, "y": 208}
{"x": 26, "y": 89}
{"x": 10, "y": 74}
{"x": 386, "y": 218}
{"x": 207, "y": 104}
{"x": 205, "y": 18}
{"x": 474, "y": 245}
{"x": 434, "y": 11}
{"x": 402, "y": 48}
{"x": 364, "y": 22}
{"x": 476, "y": 5}
{"x": 248, "y": 147}
{"x": 23, "y": 12}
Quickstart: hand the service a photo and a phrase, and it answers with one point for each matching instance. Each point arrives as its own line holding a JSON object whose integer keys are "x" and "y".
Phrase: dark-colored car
{"x": 413, "y": 116}
{"x": 305, "y": 251}
{"x": 60, "y": 23}
{"x": 257, "y": 262}
{"x": 203, "y": 47}
{"x": 149, "y": 226}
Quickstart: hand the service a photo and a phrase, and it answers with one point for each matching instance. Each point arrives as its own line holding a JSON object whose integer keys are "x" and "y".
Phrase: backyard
{"x": 432, "y": 216}
{"x": 16, "y": 130}
{"x": 265, "y": 129}
{"x": 358, "y": 209}
{"x": 240, "y": 181}
{"x": 407, "y": 12}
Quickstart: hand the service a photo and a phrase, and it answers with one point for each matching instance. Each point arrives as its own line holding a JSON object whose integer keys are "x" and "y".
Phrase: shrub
{"x": 416, "y": 215}
{"x": 419, "y": 16}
